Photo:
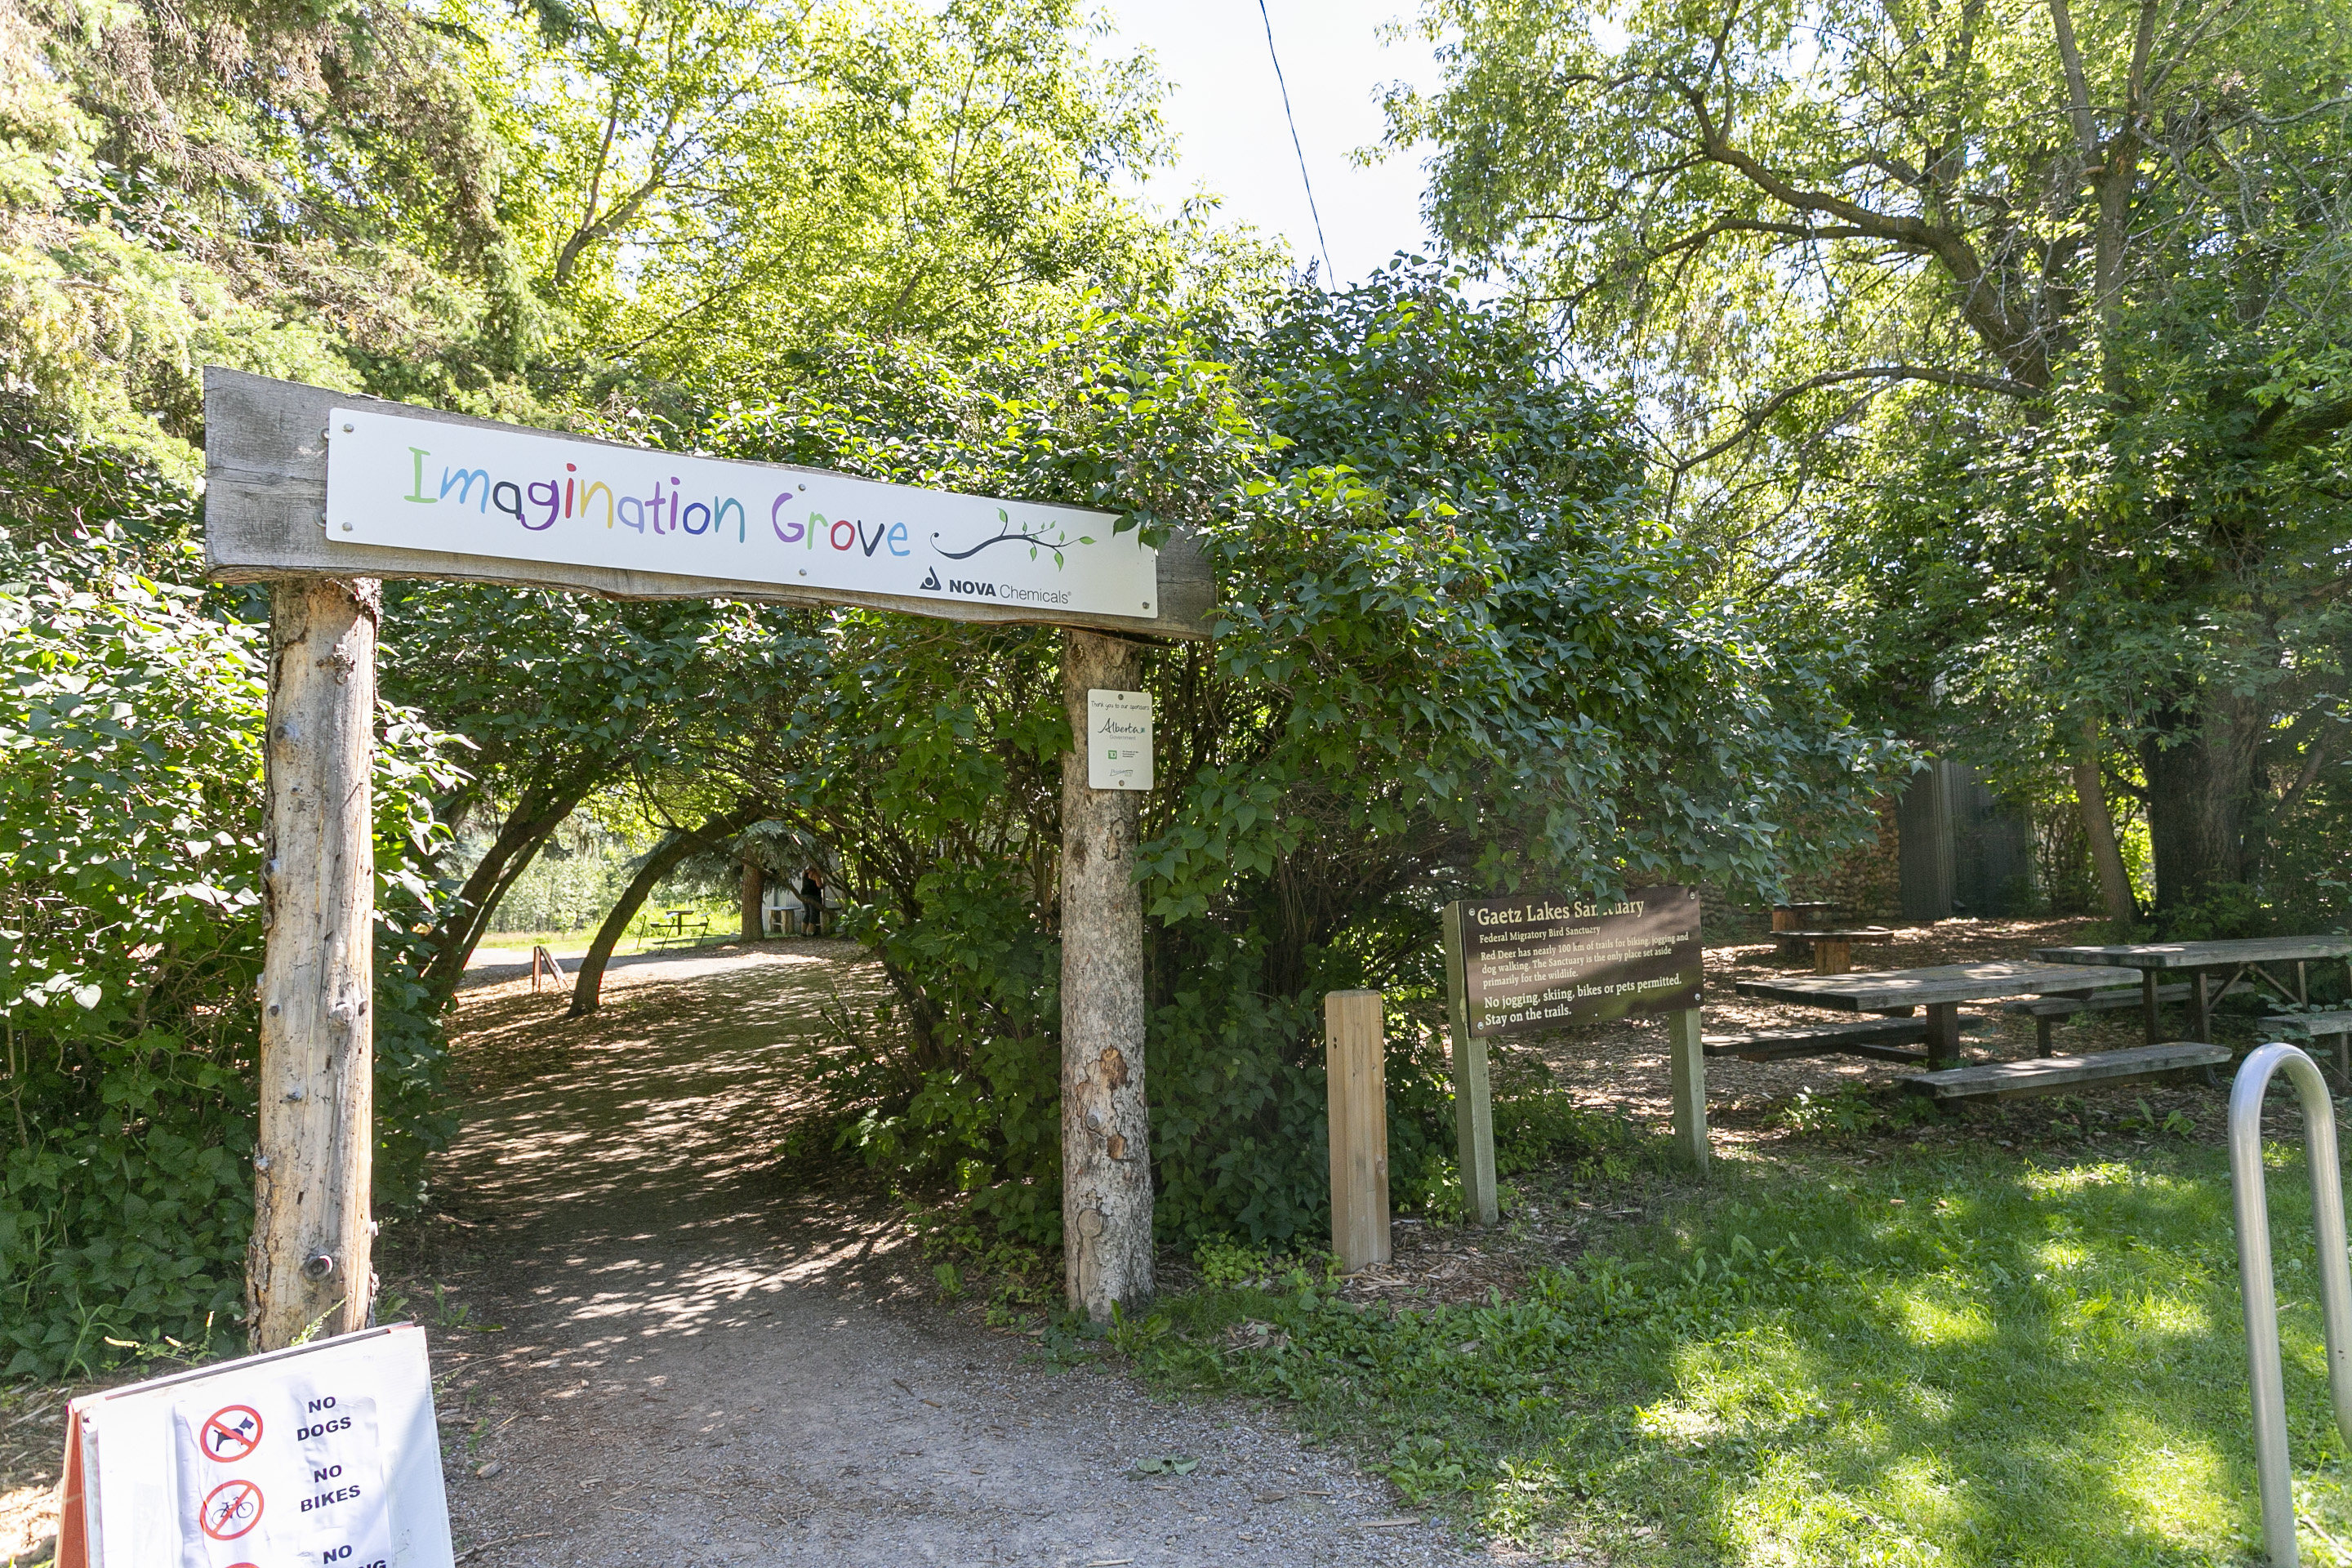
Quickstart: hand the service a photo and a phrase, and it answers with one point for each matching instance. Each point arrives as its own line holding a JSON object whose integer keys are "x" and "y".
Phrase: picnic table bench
{"x": 2243, "y": 960}
{"x": 2048, "y": 1075}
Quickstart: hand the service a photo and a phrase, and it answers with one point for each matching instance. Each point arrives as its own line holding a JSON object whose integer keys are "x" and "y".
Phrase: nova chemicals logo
{"x": 932, "y": 579}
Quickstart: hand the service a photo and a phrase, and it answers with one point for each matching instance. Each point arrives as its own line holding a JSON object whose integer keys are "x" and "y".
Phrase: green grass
{"x": 724, "y": 915}
{"x": 1954, "y": 1358}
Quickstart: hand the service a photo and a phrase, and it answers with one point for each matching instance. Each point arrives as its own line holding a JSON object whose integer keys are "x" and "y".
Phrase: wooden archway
{"x": 323, "y": 524}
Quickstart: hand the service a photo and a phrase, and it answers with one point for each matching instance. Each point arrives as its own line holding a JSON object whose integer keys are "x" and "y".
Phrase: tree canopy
{"x": 2035, "y": 307}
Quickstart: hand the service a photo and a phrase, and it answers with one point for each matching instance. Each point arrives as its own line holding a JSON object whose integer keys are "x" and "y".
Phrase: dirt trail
{"x": 703, "y": 1359}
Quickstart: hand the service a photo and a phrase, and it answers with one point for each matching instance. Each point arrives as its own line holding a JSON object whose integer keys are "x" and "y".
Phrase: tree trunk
{"x": 588, "y": 985}
{"x": 2200, "y": 797}
{"x": 1106, "y": 1132}
{"x": 311, "y": 1261}
{"x": 2099, "y": 828}
{"x": 755, "y": 883}
{"x": 521, "y": 836}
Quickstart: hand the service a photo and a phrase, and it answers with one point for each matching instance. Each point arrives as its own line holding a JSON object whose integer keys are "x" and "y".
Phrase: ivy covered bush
{"x": 131, "y": 722}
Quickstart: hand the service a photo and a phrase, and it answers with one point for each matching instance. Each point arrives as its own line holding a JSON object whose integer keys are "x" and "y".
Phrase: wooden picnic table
{"x": 2199, "y": 960}
{"x": 1789, "y": 917}
{"x": 675, "y": 928}
{"x": 1940, "y": 989}
{"x": 1833, "y": 950}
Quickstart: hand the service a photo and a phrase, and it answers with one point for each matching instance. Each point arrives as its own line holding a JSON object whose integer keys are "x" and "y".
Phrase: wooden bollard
{"x": 1355, "y": 1046}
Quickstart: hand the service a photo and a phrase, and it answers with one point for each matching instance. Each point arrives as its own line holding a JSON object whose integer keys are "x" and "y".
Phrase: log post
{"x": 1356, "y": 1071}
{"x": 1687, "y": 1076}
{"x": 1474, "y": 1101}
{"x": 311, "y": 1261}
{"x": 1105, "y": 1135}
{"x": 1944, "y": 1036}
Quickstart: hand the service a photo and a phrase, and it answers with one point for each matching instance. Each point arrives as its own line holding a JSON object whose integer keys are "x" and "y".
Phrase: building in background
{"x": 1964, "y": 850}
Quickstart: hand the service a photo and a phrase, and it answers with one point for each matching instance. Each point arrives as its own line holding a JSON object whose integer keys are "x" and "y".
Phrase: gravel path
{"x": 706, "y": 1357}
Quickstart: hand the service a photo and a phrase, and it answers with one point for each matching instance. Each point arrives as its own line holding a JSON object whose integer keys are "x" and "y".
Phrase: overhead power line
{"x": 1320, "y": 243}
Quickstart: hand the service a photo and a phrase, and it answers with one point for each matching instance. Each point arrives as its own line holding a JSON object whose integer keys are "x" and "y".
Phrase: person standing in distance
{"x": 812, "y": 901}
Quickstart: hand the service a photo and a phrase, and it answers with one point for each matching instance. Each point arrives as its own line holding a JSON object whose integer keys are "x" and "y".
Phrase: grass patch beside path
{"x": 1954, "y": 1358}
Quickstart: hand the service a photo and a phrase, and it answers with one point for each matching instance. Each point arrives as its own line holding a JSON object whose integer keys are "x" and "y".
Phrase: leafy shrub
{"x": 1224, "y": 1265}
{"x": 1538, "y": 1122}
{"x": 1849, "y": 1108}
{"x": 131, "y": 717}
{"x": 1449, "y": 654}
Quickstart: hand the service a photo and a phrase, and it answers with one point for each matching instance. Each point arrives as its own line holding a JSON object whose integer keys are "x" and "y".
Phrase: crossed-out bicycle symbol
{"x": 231, "y": 1509}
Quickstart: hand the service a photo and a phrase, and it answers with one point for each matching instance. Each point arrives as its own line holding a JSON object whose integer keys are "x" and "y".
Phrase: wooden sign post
{"x": 323, "y": 494}
{"x": 1532, "y": 965}
{"x": 1355, "y": 1053}
{"x": 1474, "y": 1097}
{"x": 311, "y": 1261}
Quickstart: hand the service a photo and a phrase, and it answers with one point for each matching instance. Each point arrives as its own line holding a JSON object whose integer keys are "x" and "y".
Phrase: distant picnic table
{"x": 679, "y": 925}
{"x": 1940, "y": 989}
{"x": 2244, "y": 962}
{"x": 1791, "y": 916}
{"x": 1833, "y": 950}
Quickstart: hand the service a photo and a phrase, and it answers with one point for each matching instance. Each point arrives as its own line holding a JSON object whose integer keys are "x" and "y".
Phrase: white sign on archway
{"x": 407, "y": 483}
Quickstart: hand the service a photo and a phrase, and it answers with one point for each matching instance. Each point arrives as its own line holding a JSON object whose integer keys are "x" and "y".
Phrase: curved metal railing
{"x": 2251, "y": 1205}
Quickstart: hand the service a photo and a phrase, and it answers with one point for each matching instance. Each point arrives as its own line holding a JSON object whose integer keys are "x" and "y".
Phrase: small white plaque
{"x": 1119, "y": 740}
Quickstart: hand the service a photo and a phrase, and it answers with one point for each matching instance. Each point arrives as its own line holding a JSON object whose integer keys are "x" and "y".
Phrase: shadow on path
{"x": 704, "y": 1356}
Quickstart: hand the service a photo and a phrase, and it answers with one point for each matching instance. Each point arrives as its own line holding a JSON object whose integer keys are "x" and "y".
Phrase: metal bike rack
{"x": 2252, "y": 1210}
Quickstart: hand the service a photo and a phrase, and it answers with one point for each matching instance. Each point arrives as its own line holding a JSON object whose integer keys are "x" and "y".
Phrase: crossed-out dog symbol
{"x": 231, "y": 1434}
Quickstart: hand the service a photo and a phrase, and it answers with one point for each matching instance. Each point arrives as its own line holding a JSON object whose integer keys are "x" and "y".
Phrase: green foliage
{"x": 1538, "y": 1123}
{"x": 1224, "y": 1265}
{"x": 1850, "y": 1108}
{"x": 131, "y": 723}
{"x": 1449, "y": 658}
{"x": 1946, "y": 1358}
{"x": 2077, "y": 480}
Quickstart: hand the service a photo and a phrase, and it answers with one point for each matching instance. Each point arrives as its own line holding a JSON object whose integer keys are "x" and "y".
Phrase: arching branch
{"x": 1753, "y": 420}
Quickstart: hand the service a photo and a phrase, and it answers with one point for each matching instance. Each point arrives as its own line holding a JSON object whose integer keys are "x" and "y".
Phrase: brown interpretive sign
{"x": 1533, "y": 963}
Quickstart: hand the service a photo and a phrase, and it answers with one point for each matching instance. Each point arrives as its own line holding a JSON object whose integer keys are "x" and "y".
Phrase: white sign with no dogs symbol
{"x": 323, "y": 1457}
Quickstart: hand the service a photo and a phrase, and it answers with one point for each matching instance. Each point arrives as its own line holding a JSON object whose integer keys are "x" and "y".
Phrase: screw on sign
{"x": 231, "y": 1434}
{"x": 231, "y": 1509}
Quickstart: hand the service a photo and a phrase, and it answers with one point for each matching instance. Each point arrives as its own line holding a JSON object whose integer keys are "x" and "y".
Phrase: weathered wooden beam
{"x": 311, "y": 1259}
{"x": 1356, "y": 1074}
{"x": 266, "y": 498}
{"x": 1105, "y": 1133}
{"x": 2048, "y": 1075}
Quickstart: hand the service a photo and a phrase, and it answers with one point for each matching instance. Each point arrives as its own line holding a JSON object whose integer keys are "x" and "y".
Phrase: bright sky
{"x": 1226, "y": 111}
